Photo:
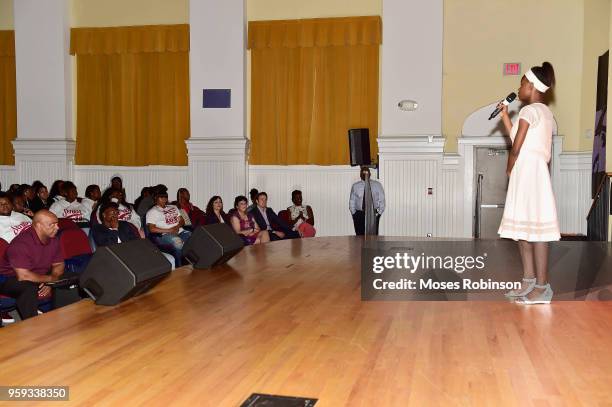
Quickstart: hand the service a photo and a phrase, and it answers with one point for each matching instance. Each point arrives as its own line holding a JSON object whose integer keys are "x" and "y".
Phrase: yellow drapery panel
{"x": 132, "y": 103}
{"x": 135, "y": 39}
{"x": 311, "y": 81}
{"x": 8, "y": 97}
{"x": 315, "y": 32}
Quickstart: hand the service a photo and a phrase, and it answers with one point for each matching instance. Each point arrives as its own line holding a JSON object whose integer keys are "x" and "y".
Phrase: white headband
{"x": 536, "y": 82}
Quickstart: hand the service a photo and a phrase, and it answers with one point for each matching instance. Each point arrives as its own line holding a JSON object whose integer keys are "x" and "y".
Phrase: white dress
{"x": 530, "y": 212}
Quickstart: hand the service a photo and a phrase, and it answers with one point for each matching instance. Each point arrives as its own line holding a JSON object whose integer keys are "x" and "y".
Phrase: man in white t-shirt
{"x": 165, "y": 225}
{"x": 70, "y": 208}
{"x": 11, "y": 223}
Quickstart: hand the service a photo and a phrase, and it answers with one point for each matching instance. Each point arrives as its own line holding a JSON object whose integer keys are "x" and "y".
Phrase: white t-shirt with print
{"x": 74, "y": 211}
{"x": 88, "y": 203}
{"x": 11, "y": 226}
{"x": 126, "y": 214}
{"x": 164, "y": 218}
{"x": 129, "y": 215}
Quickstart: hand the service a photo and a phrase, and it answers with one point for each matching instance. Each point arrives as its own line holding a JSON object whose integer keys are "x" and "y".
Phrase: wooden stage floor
{"x": 286, "y": 318}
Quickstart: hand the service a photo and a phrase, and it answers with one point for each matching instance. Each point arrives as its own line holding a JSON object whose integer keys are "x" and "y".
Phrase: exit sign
{"x": 512, "y": 68}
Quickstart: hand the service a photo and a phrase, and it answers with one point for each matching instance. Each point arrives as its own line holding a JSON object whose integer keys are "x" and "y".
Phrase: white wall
{"x": 410, "y": 211}
{"x": 412, "y": 66}
{"x": 217, "y": 61}
{"x": 42, "y": 30}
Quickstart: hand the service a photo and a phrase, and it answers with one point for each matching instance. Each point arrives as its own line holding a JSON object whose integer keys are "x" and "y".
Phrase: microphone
{"x": 509, "y": 99}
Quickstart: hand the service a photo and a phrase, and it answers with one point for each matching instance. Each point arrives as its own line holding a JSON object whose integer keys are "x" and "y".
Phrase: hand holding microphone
{"x": 503, "y": 105}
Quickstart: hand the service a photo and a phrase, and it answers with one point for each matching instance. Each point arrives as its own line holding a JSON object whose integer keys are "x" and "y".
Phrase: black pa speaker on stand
{"x": 359, "y": 144}
{"x": 118, "y": 272}
{"x": 211, "y": 245}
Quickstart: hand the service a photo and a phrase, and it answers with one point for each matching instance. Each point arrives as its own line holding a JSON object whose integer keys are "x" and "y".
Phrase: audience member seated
{"x": 70, "y": 208}
{"x": 144, "y": 193}
{"x": 116, "y": 182}
{"x": 56, "y": 191}
{"x": 11, "y": 223}
{"x": 41, "y": 199}
{"x": 253, "y": 195}
{"x": 13, "y": 188}
{"x": 27, "y": 192}
{"x": 268, "y": 220}
{"x": 244, "y": 224}
{"x": 112, "y": 230}
{"x": 126, "y": 209}
{"x": 193, "y": 215}
{"x": 301, "y": 217}
{"x": 32, "y": 259}
{"x": 214, "y": 211}
{"x": 92, "y": 195}
{"x": 35, "y": 185}
{"x": 19, "y": 205}
{"x": 148, "y": 202}
{"x": 165, "y": 225}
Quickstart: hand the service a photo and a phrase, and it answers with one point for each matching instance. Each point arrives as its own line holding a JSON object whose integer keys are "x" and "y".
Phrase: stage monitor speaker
{"x": 118, "y": 272}
{"x": 359, "y": 143}
{"x": 212, "y": 245}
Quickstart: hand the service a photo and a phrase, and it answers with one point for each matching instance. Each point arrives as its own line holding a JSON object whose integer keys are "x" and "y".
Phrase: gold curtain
{"x": 132, "y": 95}
{"x": 8, "y": 97}
{"x": 311, "y": 81}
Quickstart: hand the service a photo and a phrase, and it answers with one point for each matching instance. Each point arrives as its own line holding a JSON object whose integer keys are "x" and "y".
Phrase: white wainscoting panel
{"x": 325, "y": 188}
{"x": 223, "y": 178}
{"x": 410, "y": 210}
{"x": 410, "y": 168}
{"x": 573, "y": 191}
{"x": 8, "y": 176}
{"x": 134, "y": 178}
{"x": 46, "y": 171}
{"x": 217, "y": 166}
{"x": 449, "y": 198}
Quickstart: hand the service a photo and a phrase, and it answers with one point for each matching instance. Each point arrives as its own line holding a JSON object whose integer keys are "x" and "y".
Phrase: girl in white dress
{"x": 530, "y": 213}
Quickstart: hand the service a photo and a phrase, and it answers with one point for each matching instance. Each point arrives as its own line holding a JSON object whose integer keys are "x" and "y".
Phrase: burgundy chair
{"x": 7, "y": 304}
{"x": 74, "y": 243}
{"x": 66, "y": 224}
{"x": 76, "y": 250}
{"x": 198, "y": 218}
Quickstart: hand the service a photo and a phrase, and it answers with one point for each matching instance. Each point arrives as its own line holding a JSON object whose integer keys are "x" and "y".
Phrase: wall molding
{"x": 401, "y": 145}
{"x": 35, "y": 148}
{"x": 44, "y": 159}
{"x": 217, "y": 149}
